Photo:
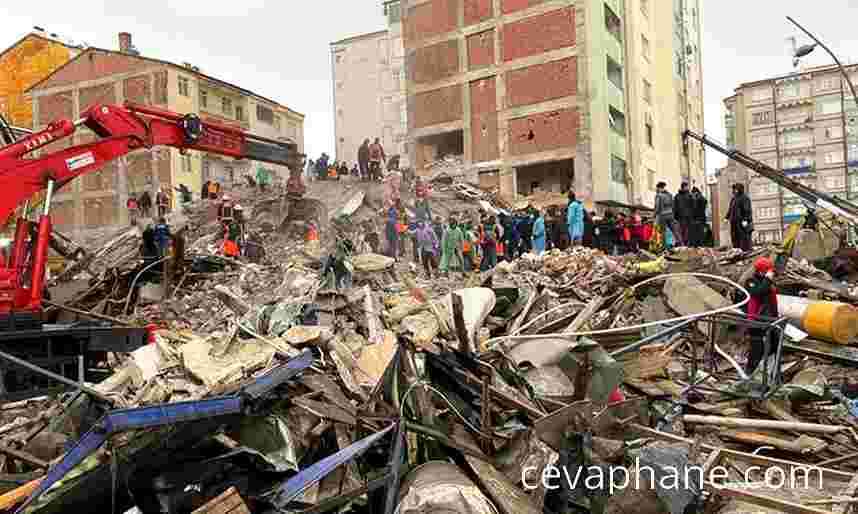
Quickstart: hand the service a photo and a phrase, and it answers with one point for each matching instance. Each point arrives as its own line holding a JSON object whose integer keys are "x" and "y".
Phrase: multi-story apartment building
{"x": 106, "y": 76}
{"x": 27, "y": 61}
{"x": 803, "y": 123}
{"x": 369, "y": 89}
{"x": 589, "y": 94}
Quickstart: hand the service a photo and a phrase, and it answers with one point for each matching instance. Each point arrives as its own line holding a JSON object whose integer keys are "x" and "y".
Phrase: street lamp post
{"x": 806, "y": 49}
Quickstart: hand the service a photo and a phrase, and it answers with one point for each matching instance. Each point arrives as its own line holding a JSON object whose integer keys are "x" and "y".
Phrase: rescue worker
{"x": 429, "y": 247}
{"x": 491, "y": 236}
{"x": 144, "y": 203}
{"x": 698, "y": 218}
{"x": 451, "y": 249}
{"x": 392, "y": 234}
{"x": 162, "y": 236}
{"x": 763, "y": 304}
{"x": 741, "y": 218}
{"x": 683, "y": 213}
{"x": 575, "y": 220}
{"x": 538, "y": 236}
{"x": 664, "y": 215}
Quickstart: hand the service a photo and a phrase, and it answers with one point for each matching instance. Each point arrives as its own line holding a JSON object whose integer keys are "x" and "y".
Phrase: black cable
{"x": 6, "y": 130}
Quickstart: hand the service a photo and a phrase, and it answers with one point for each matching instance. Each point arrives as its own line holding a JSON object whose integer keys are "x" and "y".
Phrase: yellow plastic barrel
{"x": 833, "y": 321}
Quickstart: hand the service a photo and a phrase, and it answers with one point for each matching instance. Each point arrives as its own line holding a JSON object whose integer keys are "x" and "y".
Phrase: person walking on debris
{"x": 575, "y": 220}
{"x": 526, "y": 231}
{"x": 132, "y": 207}
{"x": 763, "y": 304}
{"x": 740, "y": 216}
{"x": 429, "y": 247}
{"x": 363, "y": 159}
{"x": 512, "y": 238}
{"x": 163, "y": 201}
{"x": 144, "y": 203}
{"x": 376, "y": 157}
{"x": 683, "y": 211}
{"x": 392, "y": 233}
{"x": 698, "y": 218}
{"x": 538, "y": 236}
{"x": 587, "y": 238}
{"x": 162, "y": 236}
{"x": 664, "y": 215}
{"x": 491, "y": 236}
{"x": 636, "y": 231}
{"x": 451, "y": 249}
{"x": 149, "y": 249}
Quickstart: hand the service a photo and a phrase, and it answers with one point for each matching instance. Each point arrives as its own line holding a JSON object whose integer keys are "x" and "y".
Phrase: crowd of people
{"x": 371, "y": 161}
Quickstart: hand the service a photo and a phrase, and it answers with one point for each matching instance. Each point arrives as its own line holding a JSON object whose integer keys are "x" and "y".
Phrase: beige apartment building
{"x": 369, "y": 91}
{"x": 589, "y": 94}
{"x": 803, "y": 123}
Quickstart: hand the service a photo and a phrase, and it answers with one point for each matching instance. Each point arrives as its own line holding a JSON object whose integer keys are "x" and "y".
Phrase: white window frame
{"x": 184, "y": 86}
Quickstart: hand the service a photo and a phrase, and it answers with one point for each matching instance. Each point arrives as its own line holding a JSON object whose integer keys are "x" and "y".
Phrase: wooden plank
{"x": 228, "y": 502}
{"x": 765, "y": 501}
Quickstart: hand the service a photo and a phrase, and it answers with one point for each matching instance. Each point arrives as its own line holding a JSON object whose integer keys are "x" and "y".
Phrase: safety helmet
{"x": 763, "y": 265}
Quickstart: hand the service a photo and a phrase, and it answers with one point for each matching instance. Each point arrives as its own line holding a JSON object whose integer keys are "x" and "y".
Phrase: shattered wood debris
{"x": 266, "y": 390}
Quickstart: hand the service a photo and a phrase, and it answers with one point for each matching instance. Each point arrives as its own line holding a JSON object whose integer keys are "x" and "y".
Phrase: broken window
{"x": 617, "y": 120}
{"x": 618, "y": 170}
{"x": 615, "y": 73}
{"x": 613, "y": 24}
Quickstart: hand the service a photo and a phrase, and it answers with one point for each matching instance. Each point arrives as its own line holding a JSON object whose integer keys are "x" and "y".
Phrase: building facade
{"x": 29, "y": 60}
{"x": 803, "y": 123}
{"x": 588, "y": 94}
{"x": 369, "y": 90}
{"x": 114, "y": 77}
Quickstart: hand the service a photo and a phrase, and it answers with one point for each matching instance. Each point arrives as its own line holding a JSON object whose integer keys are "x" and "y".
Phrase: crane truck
{"x": 25, "y": 333}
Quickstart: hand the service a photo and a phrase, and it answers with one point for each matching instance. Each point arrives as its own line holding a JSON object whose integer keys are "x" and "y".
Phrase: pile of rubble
{"x": 269, "y": 390}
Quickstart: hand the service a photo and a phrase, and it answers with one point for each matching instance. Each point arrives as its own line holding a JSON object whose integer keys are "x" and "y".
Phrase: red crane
{"x": 120, "y": 130}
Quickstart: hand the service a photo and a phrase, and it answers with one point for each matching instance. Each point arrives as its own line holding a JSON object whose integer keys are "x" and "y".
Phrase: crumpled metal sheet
{"x": 669, "y": 468}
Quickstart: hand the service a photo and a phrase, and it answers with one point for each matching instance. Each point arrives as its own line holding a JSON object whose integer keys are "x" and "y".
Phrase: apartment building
{"x": 803, "y": 123}
{"x": 588, "y": 94}
{"x": 369, "y": 89}
{"x": 98, "y": 75}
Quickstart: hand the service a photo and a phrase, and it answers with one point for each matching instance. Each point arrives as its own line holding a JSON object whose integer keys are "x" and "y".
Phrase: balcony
{"x": 800, "y": 170}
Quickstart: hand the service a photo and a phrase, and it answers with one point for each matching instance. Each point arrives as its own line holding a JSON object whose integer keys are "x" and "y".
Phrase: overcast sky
{"x": 280, "y": 49}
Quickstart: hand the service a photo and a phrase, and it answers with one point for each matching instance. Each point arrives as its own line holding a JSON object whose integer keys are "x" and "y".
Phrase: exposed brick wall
{"x": 509, "y": 6}
{"x": 538, "y": 34}
{"x": 161, "y": 84}
{"x": 434, "y": 107}
{"x": 98, "y": 212}
{"x": 435, "y": 62}
{"x": 481, "y": 50}
{"x": 430, "y": 19}
{"x": 91, "y": 65}
{"x": 542, "y": 82}
{"x": 62, "y": 213}
{"x": 55, "y": 107}
{"x": 477, "y": 11}
{"x": 484, "y": 120}
{"x": 101, "y": 94}
{"x": 543, "y": 131}
{"x": 137, "y": 89}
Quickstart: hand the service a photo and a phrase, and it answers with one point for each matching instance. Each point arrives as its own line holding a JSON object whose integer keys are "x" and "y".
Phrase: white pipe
{"x": 763, "y": 424}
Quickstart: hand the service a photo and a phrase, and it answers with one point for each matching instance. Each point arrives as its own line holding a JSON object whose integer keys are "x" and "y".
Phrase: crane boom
{"x": 846, "y": 210}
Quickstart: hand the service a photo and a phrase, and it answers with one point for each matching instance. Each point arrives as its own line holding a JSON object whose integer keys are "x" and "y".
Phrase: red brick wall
{"x": 55, "y": 107}
{"x": 102, "y": 94}
{"x": 542, "y": 82}
{"x": 484, "y": 120}
{"x": 508, "y": 6}
{"x": 435, "y": 62}
{"x": 92, "y": 65}
{"x": 430, "y": 19}
{"x": 137, "y": 89}
{"x": 543, "y": 131}
{"x": 538, "y": 34}
{"x": 436, "y": 106}
{"x": 477, "y": 11}
{"x": 160, "y": 78}
{"x": 481, "y": 50}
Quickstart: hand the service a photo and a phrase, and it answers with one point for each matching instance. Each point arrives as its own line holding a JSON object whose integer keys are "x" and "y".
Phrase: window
{"x": 239, "y": 113}
{"x": 645, "y": 47}
{"x": 186, "y": 163}
{"x": 765, "y": 213}
{"x": 645, "y": 7}
{"x": 647, "y": 91}
{"x": 226, "y": 106}
{"x": 793, "y": 138}
{"x": 761, "y": 118}
{"x": 615, "y": 73}
{"x": 650, "y": 178}
{"x": 835, "y": 183}
{"x": 853, "y": 152}
{"x": 788, "y": 90}
{"x": 264, "y": 114}
{"x": 277, "y": 122}
{"x": 834, "y": 132}
{"x": 828, "y": 105}
{"x": 617, "y": 121}
{"x": 648, "y": 131}
{"x": 613, "y": 24}
{"x": 395, "y": 76}
{"x": 393, "y": 11}
{"x": 184, "y": 86}
{"x": 204, "y": 99}
{"x": 618, "y": 170}
{"x": 827, "y": 83}
{"x": 834, "y": 157}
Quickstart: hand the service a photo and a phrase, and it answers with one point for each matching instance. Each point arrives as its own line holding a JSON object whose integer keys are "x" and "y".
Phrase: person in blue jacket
{"x": 538, "y": 236}
{"x": 575, "y": 220}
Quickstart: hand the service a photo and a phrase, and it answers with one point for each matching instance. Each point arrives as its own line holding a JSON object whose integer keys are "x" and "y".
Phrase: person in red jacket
{"x": 636, "y": 228}
{"x": 763, "y": 304}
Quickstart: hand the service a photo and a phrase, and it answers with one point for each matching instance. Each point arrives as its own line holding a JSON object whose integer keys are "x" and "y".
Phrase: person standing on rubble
{"x": 763, "y": 304}
{"x": 451, "y": 249}
{"x": 363, "y": 159}
{"x": 144, "y": 203}
{"x": 539, "y": 234}
{"x": 162, "y": 235}
{"x": 133, "y": 211}
{"x": 698, "y": 218}
{"x": 491, "y": 236}
{"x": 526, "y": 231}
{"x": 392, "y": 234}
{"x": 741, "y": 218}
{"x": 163, "y": 201}
{"x": 376, "y": 157}
{"x": 664, "y": 215}
{"x": 429, "y": 247}
{"x": 575, "y": 220}
{"x": 683, "y": 212}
